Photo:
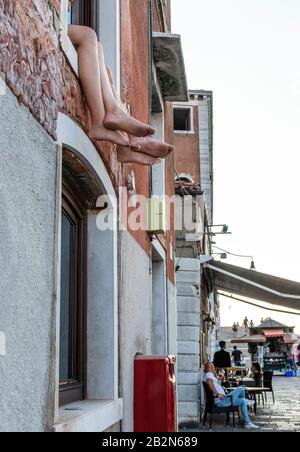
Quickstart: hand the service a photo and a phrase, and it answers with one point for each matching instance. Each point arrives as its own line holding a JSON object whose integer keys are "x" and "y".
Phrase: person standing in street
{"x": 235, "y": 329}
{"x": 222, "y": 358}
{"x": 246, "y": 325}
{"x": 237, "y": 356}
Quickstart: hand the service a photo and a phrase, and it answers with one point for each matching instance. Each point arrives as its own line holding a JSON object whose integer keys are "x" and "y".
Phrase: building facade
{"x": 79, "y": 301}
{"x": 198, "y": 304}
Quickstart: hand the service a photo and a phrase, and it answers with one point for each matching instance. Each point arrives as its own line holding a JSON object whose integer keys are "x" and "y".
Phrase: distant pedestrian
{"x": 251, "y": 324}
{"x": 237, "y": 356}
{"x": 246, "y": 324}
{"x": 235, "y": 329}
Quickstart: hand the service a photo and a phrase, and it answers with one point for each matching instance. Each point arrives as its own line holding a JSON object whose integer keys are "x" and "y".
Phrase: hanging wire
{"x": 257, "y": 305}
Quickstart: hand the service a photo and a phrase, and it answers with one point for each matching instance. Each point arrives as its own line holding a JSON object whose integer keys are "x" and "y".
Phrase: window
{"x": 183, "y": 120}
{"x": 73, "y": 298}
{"x": 84, "y": 12}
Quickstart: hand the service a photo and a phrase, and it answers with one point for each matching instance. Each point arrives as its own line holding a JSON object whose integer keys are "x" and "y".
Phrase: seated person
{"x": 237, "y": 397}
{"x": 256, "y": 373}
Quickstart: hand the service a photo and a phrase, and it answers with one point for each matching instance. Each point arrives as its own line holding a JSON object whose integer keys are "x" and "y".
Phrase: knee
{"x": 89, "y": 36}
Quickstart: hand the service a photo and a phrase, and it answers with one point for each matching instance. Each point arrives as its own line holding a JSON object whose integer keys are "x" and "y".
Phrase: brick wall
{"x": 187, "y": 157}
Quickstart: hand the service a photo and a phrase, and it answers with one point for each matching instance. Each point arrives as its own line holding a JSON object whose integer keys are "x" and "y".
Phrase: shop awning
{"x": 291, "y": 338}
{"x": 252, "y": 284}
{"x": 251, "y": 339}
{"x": 169, "y": 62}
{"x": 274, "y": 333}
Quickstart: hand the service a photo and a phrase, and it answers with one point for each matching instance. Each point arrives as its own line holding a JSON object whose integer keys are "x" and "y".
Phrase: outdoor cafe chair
{"x": 268, "y": 384}
{"x": 211, "y": 408}
{"x": 258, "y": 378}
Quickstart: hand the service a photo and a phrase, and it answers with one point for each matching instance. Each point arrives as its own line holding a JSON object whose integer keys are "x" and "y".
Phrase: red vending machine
{"x": 155, "y": 394}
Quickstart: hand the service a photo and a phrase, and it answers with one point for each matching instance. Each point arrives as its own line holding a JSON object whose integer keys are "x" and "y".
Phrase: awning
{"x": 251, "y": 339}
{"x": 274, "y": 333}
{"x": 291, "y": 338}
{"x": 169, "y": 62}
{"x": 252, "y": 284}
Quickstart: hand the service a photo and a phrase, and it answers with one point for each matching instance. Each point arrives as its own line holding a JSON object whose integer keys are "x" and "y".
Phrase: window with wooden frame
{"x": 84, "y": 12}
{"x": 73, "y": 297}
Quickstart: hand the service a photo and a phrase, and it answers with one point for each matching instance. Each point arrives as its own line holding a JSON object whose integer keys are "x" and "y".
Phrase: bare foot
{"x": 100, "y": 133}
{"x": 120, "y": 120}
{"x": 127, "y": 156}
{"x": 153, "y": 147}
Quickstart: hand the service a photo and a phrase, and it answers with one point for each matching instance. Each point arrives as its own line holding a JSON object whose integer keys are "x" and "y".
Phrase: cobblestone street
{"x": 284, "y": 416}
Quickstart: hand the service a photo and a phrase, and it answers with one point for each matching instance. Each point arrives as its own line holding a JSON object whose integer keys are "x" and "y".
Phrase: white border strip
{"x": 71, "y": 135}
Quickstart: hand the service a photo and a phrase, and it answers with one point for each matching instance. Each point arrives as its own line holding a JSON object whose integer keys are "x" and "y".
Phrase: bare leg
{"x": 125, "y": 155}
{"x": 154, "y": 148}
{"x": 89, "y": 72}
{"x": 148, "y": 146}
{"x": 114, "y": 90}
{"x": 116, "y": 117}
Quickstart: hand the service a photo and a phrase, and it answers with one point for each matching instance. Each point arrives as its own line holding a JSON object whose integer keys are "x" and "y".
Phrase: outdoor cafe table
{"x": 252, "y": 391}
{"x": 246, "y": 381}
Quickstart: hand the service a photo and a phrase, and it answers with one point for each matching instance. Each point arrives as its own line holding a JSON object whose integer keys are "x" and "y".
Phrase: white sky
{"x": 247, "y": 53}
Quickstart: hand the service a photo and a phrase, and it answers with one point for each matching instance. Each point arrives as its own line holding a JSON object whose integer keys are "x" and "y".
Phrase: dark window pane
{"x": 73, "y": 295}
{"x": 84, "y": 12}
{"x": 182, "y": 119}
{"x": 66, "y": 271}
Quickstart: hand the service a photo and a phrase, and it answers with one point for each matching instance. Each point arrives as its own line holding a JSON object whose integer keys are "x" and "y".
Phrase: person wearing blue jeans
{"x": 237, "y": 398}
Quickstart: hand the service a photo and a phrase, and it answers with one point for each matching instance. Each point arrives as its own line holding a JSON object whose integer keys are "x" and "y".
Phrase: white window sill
{"x": 183, "y": 132}
{"x": 69, "y": 50}
{"x": 89, "y": 416}
{"x": 65, "y": 41}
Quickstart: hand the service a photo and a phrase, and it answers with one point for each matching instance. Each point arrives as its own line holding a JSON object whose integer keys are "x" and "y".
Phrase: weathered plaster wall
{"x": 28, "y": 166}
{"x": 135, "y": 87}
{"x": 135, "y": 317}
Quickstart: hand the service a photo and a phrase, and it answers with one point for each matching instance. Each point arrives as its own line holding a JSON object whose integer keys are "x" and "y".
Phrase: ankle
{"x": 113, "y": 110}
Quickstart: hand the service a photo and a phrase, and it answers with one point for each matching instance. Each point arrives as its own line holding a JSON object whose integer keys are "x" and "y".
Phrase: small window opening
{"x": 183, "y": 119}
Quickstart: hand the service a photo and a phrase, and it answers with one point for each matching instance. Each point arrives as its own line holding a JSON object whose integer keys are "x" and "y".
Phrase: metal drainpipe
{"x": 162, "y": 7}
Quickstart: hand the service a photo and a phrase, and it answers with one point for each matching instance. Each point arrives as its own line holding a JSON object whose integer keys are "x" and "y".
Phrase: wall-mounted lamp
{"x": 252, "y": 267}
{"x": 224, "y": 230}
{"x": 222, "y": 255}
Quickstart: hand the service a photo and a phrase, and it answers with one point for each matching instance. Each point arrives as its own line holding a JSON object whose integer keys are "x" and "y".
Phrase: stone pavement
{"x": 284, "y": 416}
